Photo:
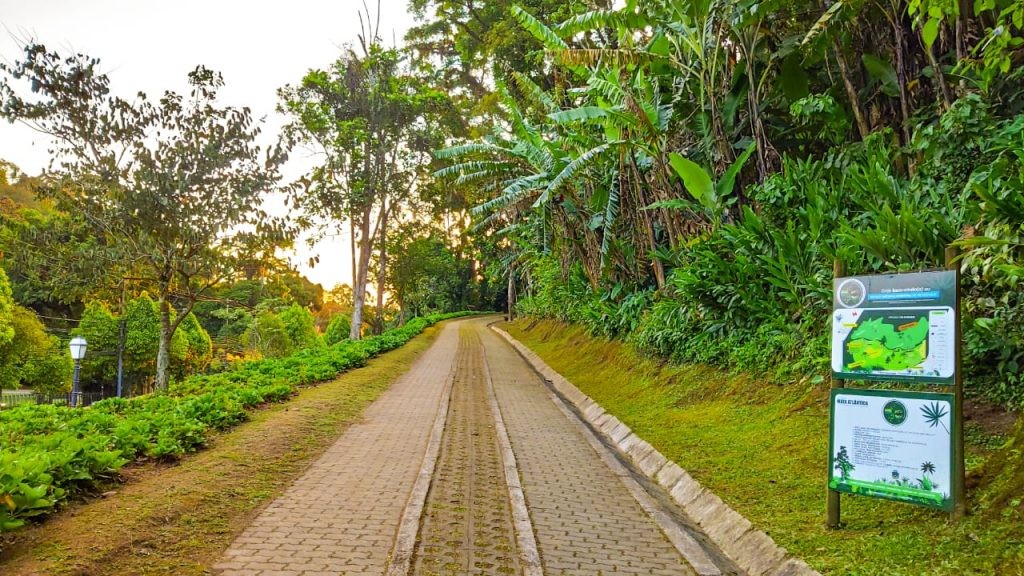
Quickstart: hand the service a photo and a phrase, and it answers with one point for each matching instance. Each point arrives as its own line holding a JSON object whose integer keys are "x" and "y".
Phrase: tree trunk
{"x": 362, "y": 272}
{"x": 940, "y": 79}
{"x": 352, "y": 249}
{"x": 851, "y": 91}
{"x": 754, "y": 106}
{"x": 901, "y": 72}
{"x": 511, "y": 293}
{"x": 163, "y": 354}
{"x": 382, "y": 273}
{"x": 964, "y": 9}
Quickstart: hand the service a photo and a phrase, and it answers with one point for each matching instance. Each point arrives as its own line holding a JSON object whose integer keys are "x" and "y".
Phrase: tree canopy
{"x": 175, "y": 185}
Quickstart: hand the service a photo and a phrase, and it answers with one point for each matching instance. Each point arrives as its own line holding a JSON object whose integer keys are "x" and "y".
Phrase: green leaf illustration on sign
{"x": 933, "y": 414}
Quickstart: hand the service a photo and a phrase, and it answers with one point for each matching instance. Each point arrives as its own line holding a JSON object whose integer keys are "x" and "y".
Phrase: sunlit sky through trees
{"x": 152, "y": 46}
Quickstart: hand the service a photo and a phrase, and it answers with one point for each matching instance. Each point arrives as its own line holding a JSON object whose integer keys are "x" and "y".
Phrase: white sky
{"x": 152, "y": 45}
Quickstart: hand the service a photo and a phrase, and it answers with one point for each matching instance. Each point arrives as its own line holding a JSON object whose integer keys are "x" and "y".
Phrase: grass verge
{"x": 177, "y": 519}
{"x": 764, "y": 449}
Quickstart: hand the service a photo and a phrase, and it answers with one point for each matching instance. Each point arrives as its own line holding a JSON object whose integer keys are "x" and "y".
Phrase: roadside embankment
{"x": 763, "y": 449}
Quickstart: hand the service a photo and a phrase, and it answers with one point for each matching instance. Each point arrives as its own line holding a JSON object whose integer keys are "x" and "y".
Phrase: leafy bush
{"x": 199, "y": 346}
{"x": 268, "y": 336}
{"x": 338, "y": 329}
{"x": 191, "y": 348}
{"x": 6, "y": 309}
{"x": 100, "y": 328}
{"x": 54, "y": 452}
{"x": 33, "y": 359}
{"x": 994, "y": 266}
{"x": 300, "y": 326}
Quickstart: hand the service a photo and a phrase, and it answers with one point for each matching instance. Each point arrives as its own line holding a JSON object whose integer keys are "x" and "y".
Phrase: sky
{"x": 152, "y": 45}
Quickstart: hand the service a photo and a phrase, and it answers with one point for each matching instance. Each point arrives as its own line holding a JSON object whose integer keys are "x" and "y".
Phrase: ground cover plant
{"x": 51, "y": 453}
{"x": 178, "y": 517}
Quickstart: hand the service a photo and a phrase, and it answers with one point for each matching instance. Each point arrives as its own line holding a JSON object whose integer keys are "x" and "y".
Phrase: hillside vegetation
{"x": 688, "y": 174}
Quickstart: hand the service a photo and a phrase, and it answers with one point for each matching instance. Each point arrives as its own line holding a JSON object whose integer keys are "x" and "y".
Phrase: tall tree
{"x": 365, "y": 115}
{"x": 176, "y": 185}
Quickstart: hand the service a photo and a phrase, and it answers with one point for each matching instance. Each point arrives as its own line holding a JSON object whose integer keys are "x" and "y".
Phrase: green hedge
{"x": 50, "y": 453}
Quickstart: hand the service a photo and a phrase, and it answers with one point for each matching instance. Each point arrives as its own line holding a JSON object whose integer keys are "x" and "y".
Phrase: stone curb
{"x": 751, "y": 549}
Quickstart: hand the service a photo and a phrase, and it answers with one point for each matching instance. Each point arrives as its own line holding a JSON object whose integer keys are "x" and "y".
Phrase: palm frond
{"x": 469, "y": 177}
{"x": 515, "y": 191}
{"x": 572, "y": 168}
{"x": 602, "y": 19}
{"x": 614, "y": 57}
{"x": 487, "y": 221}
{"x": 934, "y": 414}
{"x": 535, "y": 93}
{"x": 610, "y": 90}
{"x": 821, "y": 24}
{"x": 581, "y": 114}
{"x": 546, "y": 35}
{"x": 537, "y": 156}
{"x": 464, "y": 149}
{"x": 611, "y": 212}
{"x": 465, "y": 167}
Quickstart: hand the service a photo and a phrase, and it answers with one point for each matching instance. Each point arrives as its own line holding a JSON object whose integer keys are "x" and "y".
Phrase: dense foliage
{"x": 687, "y": 175}
{"x": 29, "y": 356}
{"x": 33, "y": 359}
{"x": 51, "y": 453}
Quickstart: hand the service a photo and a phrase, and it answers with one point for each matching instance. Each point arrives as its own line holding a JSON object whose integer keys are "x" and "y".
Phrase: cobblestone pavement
{"x": 467, "y": 523}
{"x": 343, "y": 515}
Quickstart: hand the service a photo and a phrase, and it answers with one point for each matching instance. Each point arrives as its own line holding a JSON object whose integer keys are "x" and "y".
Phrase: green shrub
{"x": 754, "y": 293}
{"x": 191, "y": 349}
{"x": 33, "y": 359}
{"x": 54, "y": 452}
{"x": 268, "y": 336}
{"x": 300, "y": 326}
{"x": 338, "y": 329}
{"x": 199, "y": 349}
{"x": 6, "y": 309}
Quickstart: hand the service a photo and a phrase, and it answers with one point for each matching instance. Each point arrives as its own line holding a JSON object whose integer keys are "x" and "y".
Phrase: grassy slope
{"x": 178, "y": 519}
{"x": 764, "y": 448}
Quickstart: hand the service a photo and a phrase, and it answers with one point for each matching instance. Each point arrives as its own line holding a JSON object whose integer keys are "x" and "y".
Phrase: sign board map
{"x": 892, "y": 445}
{"x": 895, "y": 327}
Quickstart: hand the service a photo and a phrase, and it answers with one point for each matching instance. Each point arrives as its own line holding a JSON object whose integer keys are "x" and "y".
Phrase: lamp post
{"x": 78, "y": 345}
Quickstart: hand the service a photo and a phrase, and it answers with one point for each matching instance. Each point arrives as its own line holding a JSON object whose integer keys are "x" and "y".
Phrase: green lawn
{"x": 764, "y": 450}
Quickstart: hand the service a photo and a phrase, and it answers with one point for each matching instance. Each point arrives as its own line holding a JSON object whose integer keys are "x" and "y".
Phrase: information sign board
{"x": 895, "y": 327}
{"x": 892, "y": 445}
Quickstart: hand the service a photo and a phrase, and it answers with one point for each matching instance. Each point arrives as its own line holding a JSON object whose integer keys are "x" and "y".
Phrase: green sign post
{"x": 896, "y": 445}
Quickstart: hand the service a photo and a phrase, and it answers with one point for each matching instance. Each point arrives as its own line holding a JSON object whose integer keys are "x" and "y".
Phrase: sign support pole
{"x": 959, "y": 472}
{"x": 832, "y": 521}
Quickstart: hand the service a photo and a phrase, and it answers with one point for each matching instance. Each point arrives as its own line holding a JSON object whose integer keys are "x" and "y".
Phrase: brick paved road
{"x": 585, "y": 520}
{"x": 343, "y": 515}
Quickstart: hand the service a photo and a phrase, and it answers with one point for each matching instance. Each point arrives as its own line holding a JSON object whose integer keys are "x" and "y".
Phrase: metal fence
{"x": 12, "y": 398}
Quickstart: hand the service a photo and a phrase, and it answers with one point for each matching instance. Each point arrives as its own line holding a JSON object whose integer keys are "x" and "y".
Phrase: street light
{"x": 78, "y": 345}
